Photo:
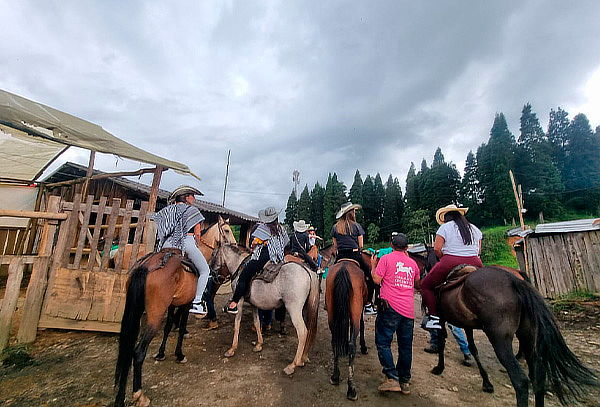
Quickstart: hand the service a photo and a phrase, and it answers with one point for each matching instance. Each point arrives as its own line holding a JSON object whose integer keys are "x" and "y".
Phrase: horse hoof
{"x": 182, "y": 361}
{"x": 488, "y": 388}
{"x": 257, "y": 348}
{"x": 334, "y": 381}
{"x": 289, "y": 370}
{"x": 364, "y": 351}
{"x": 159, "y": 357}
{"x": 351, "y": 395}
{"x": 229, "y": 353}
{"x": 140, "y": 399}
{"x": 437, "y": 370}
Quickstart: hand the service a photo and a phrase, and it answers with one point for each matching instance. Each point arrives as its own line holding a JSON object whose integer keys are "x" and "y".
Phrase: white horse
{"x": 295, "y": 286}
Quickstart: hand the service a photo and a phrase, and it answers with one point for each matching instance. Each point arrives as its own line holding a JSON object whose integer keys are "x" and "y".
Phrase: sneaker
{"x": 467, "y": 361}
{"x": 370, "y": 310}
{"x": 405, "y": 388}
{"x": 433, "y": 322}
{"x": 198, "y": 308}
{"x": 389, "y": 385}
{"x": 228, "y": 310}
{"x": 431, "y": 349}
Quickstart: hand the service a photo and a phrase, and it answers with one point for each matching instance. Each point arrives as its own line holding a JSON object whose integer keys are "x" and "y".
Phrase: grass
{"x": 495, "y": 248}
{"x": 573, "y": 300}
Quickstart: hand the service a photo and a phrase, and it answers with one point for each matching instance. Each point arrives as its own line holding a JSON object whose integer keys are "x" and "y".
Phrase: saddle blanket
{"x": 270, "y": 270}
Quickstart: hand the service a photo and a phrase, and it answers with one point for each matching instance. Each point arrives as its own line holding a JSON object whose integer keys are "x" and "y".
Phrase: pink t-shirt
{"x": 399, "y": 273}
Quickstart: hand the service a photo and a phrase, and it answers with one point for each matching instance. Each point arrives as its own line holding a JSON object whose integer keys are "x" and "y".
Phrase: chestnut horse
{"x": 157, "y": 282}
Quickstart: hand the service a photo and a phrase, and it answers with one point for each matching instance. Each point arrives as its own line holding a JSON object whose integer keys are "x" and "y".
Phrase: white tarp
{"x": 20, "y": 198}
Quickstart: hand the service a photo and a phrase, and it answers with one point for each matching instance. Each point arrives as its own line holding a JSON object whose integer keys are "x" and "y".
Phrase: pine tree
{"x": 303, "y": 211}
{"x": 399, "y": 203}
{"x": 558, "y": 136}
{"x": 438, "y": 157}
{"x": 391, "y": 217}
{"x": 356, "y": 196}
{"x": 379, "y": 192}
{"x": 317, "y": 198}
{"x": 439, "y": 184}
{"x": 335, "y": 196}
{"x": 470, "y": 192}
{"x": 291, "y": 210}
{"x": 369, "y": 202}
{"x": 411, "y": 196}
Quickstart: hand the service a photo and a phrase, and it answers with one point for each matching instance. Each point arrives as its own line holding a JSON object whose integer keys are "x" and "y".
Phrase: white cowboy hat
{"x": 346, "y": 207}
{"x": 183, "y": 190}
{"x": 301, "y": 226}
{"x": 268, "y": 215}
{"x": 439, "y": 215}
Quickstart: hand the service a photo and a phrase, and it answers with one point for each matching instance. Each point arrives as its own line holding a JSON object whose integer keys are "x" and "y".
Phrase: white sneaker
{"x": 370, "y": 310}
{"x": 433, "y": 322}
{"x": 198, "y": 308}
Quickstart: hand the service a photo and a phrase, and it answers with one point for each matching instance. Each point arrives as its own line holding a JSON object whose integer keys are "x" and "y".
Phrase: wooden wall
{"x": 563, "y": 262}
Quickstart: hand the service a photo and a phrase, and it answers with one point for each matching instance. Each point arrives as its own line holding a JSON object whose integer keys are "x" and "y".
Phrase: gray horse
{"x": 295, "y": 286}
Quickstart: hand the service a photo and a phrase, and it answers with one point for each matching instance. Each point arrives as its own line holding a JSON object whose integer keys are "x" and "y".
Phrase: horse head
{"x": 225, "y": 261}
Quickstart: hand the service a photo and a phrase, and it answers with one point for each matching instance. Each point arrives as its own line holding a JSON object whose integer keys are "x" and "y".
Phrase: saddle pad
{"x": 350, "y": 260}
{"x": 457, "y": 276}
{"x": 269, "y": 272}
{"x": 290, "y": 258}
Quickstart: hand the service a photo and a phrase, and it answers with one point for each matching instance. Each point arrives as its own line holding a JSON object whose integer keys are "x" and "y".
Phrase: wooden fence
{"x": 563, "y": 262}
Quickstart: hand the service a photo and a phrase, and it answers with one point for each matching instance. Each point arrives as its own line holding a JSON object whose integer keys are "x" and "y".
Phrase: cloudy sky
{"x": 314, "y": 86}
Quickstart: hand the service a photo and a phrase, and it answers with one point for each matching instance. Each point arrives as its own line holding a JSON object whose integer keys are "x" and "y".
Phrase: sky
{"x": 315, "y": 86}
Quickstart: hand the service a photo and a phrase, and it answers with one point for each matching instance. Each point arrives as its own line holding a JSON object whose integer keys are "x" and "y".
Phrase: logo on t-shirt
{"x": 404, "y": 276}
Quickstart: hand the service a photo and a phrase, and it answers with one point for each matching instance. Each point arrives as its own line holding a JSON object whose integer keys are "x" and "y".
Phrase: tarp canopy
{"x": 33, "y": 135}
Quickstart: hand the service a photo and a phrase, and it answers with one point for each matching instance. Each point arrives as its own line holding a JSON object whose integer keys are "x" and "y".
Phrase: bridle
{"x": 222, "y": 275}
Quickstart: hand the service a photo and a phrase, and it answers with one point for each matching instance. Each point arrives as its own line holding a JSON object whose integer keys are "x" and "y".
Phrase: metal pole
{"x": 226, "y": 177}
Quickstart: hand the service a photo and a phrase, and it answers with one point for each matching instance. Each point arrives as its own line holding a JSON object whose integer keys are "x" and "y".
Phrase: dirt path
{"x": 76, "y": 369}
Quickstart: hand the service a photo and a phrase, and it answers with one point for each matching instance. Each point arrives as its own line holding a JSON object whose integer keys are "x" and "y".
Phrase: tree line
{"x": 558, "y": 170}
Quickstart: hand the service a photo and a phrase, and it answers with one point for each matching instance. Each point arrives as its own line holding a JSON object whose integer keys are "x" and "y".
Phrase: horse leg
{"x": 183, "y": 320}
{"x": 437, "y": 370}
{"x": 502, "y": 344}
{"x": 298, "y": 321}
{"x": 236, "y": 330}
{"x": 487, "y": 385}
{"x": 259, "y": 338}
{"x": 351, "y": 393}
{"x": 537, "y": 371}
{"x": 335, "y": 374}
{"x": 139, "y": 398}
{"x": 160, "y": 356}
{"x": 363, "y": 345}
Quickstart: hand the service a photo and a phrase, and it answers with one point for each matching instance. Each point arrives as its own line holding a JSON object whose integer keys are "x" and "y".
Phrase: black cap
{"x": 399, "y": 240}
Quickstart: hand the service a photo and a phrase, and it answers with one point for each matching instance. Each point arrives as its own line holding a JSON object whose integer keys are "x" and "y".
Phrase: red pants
{"x": 438, "y": 274}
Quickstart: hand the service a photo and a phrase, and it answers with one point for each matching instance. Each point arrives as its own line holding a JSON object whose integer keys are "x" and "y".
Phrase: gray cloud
{"x": 320, "y": 87}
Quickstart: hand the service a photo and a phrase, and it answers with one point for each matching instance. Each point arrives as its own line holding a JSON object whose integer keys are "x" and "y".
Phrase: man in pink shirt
{"x": 398, "y": 276}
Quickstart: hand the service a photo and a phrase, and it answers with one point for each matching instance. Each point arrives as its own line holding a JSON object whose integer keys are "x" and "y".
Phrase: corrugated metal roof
{"x": 519, "y": 232}
{"x": 144, "y": 189}
{"x": 579, "y": 225}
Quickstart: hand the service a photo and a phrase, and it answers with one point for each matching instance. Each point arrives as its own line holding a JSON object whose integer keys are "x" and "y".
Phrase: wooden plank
{"x": 84, "y": 231}
{"x": 72, "y": 228}
{"x": 138, "y": 234}
{"x": 27, "y": 259}
{"x": 109, "y": 236}
{"x": 96, "y": 236}
{"x": 124, "y": 235}
{"x": 68, "y": 206}
{"x": 3, "y": 238}
{"x": 32, "y": 214}
{"x": 72, "y": 324}
{"x": 11, "y": 241}
{"x": 11, "y": 295}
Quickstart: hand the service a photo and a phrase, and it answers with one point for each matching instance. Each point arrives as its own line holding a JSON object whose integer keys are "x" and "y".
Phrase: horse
{"x": 505, "y": 306}
{"x": 157, "y": 282}
{"x": 345, "y": 297}
{"x": 295, "y": 286}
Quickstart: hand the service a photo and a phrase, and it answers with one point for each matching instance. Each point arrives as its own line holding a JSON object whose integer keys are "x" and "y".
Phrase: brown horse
{"x": 157, "y": 282}
{"x": 345, "y": 297}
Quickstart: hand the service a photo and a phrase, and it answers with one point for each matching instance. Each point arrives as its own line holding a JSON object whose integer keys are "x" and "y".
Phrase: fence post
{"x": 11, "y": 295}
{"x": 39, "y": 278}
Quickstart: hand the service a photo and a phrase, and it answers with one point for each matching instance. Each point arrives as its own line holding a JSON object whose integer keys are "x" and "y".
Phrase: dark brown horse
{"x": 503, "y": 306}
{"x": 157, "y": 282}
{"x": 345, "y": 297}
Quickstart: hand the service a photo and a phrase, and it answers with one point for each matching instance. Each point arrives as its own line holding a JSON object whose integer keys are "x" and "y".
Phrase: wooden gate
{"x": 95, "y": 248}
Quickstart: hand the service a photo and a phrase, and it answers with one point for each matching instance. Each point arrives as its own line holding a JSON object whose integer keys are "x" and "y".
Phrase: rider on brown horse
{"x": 300, "y": 244}
{"x": 457, "y": 242}
{"x": 180, "y": 226}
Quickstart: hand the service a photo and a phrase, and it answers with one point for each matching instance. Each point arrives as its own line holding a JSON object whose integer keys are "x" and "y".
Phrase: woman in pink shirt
{"x": 398, "y": 276}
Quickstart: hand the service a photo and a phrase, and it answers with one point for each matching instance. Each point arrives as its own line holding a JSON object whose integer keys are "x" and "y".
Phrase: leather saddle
{"x": 456, "y": 277}
{"x": 350, "y": 260}
{"x": 186, "y": 263}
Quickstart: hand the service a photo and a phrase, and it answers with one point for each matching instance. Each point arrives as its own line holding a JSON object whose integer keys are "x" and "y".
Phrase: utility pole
{"x": 226, "y": 177}
{"x": 296, "y": 180}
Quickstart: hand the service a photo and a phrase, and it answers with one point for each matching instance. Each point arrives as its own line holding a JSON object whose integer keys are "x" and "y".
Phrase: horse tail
{"x": 567, "y": 375}
{"x": 340, "y": 329}
{"x": 130, "y": 324}
{"x": 312, "y": 312}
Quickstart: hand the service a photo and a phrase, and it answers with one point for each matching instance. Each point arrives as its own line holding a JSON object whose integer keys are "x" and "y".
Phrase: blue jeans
{"x": 459, "y": 336}
{"x": 389, "y": 322}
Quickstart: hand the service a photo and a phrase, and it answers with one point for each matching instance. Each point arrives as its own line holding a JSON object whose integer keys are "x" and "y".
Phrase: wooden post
{"x": 89, "y": 173}
{"x": 11, "y": 295}
{"x": 154, "y": 189}
{"x": 39, "y": 278}
{"x": 519, "y": 201}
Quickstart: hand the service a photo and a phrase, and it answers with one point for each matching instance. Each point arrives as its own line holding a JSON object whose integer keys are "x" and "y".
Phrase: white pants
{"x": 195, "y": 255}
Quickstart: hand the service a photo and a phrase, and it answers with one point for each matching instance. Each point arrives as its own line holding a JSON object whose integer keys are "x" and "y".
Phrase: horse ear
{"x": 227, "y": 221}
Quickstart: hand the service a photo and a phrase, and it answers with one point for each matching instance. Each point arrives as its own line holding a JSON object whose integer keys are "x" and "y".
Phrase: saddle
{"x": 176, "y": 254}
{"x": 456, "y": 277}
{"x": 350, "y": 260}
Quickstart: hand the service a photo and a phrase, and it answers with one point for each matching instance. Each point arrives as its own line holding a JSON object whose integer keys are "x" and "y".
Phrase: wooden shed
{"x": 562, "y": 257}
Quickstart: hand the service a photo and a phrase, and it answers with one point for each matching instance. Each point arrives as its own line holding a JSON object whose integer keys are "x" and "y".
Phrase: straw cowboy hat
{"x": 439, "y": 215}
{"x": 347, "y": 207}
{"x": 183, "y": 190}
{"x": 301, "y": 226}
{"x": 268, "y": 215}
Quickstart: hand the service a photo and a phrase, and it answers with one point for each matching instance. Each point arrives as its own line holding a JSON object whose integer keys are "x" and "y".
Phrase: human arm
{"x": 437, "y": 246}
{"x": 360, "y": 242}
{"x": 198, "y": 233}
{"x": 374, "y": 267}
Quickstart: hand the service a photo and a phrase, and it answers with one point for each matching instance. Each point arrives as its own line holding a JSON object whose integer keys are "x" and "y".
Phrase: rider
{"x": 348, "y": 238}
{"x": 300, "y": 244}
{"x": 179, "y": 226}
{"x": 312, "y": 240}
{"x": 457, "y": 241}
{"x": 269, "y": 241}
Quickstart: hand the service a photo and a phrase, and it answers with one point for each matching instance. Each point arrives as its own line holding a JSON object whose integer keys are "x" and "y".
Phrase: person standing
{"x": 457, "y": 242}
{"x": 179, "y": 225}
{"x": 398, "y": 276}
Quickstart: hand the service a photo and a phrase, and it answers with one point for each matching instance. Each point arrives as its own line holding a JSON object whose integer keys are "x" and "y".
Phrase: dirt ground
{"x": 76, "y": 369}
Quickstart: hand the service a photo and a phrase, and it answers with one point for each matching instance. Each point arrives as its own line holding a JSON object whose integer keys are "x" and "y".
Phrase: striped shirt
{"x": 174, "y": 221}
{"x": 274, "y": 243}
